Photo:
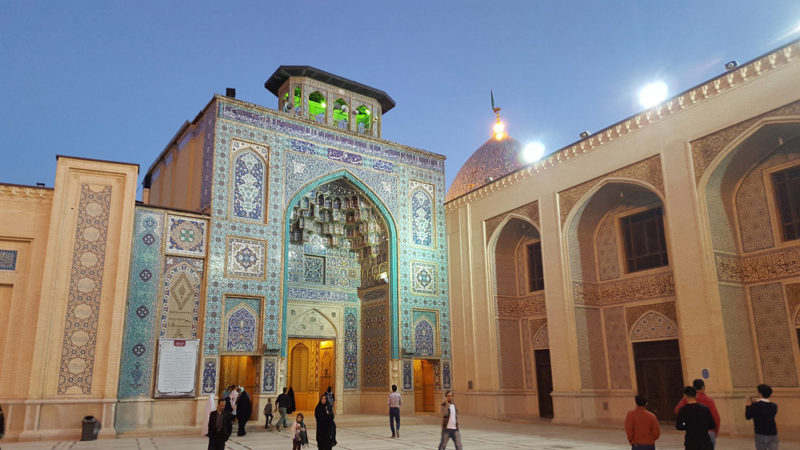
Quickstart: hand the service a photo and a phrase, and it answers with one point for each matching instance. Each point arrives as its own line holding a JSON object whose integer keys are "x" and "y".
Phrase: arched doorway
{"x": 340, "y": 261}
{"x": 519, "y": 297}
{"x": 617, "y": 241}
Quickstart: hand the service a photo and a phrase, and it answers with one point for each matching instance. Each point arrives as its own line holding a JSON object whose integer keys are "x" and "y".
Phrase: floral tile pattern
{"x": 245, "y": 258}
{"x": 186, "y": 236}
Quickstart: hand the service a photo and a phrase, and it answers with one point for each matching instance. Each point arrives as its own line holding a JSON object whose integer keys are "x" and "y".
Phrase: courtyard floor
{"x": 370, "y": 432}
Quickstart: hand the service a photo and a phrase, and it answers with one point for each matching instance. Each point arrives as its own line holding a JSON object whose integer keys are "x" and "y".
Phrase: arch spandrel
{"x": 653, "y": 325}
{"x": 310, "y": 324}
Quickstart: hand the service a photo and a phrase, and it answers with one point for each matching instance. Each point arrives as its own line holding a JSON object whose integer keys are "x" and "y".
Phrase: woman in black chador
{"x": 324, "y": 416}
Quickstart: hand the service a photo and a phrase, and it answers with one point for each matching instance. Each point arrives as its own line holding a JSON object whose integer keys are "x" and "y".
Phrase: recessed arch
{"x": 392, "y": 228}
{"x": 241, "y": 329}
{"x": 248, "y": 175}
{"x": 653, "y": 326}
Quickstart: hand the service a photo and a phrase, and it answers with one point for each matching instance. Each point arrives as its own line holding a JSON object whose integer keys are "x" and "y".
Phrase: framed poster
{"x": 177, "y": 367}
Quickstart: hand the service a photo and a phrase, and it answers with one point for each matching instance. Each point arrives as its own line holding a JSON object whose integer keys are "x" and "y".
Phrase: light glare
{"x": 653, "y": 94}
{"x": 499, "y": 130}
{"x": 533, "y": 152}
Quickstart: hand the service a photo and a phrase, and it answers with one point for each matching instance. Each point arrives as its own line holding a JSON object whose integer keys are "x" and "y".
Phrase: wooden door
{"x": 427, "y": 385}
{"x": 659, "y": 376}
{"x": 544, "y": 382}
{"x": 242, "y": 371}
{"x": 419, "y": 395}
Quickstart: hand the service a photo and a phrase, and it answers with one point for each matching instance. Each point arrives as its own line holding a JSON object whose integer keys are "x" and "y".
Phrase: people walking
{"x": 763, "y": 412}
{"x": 211, "y": 406}
{"x": 326, "y": 437}
{"x": 292, "y": 405}
{"x": 700, "y": 386}
{"x": 282, "y": 403}
{"x": 244, "y": 409}
{"x": 641, "y": 426}
{"x": 268, "y": 414}
{"x": 696, "y": 420}
{"x": 299, "y": 434}
{"x": 449, "y": 423}
{"x": 330, "y": 398}
{"x": 220, "y": 427}
{"x": 394, "y": 401}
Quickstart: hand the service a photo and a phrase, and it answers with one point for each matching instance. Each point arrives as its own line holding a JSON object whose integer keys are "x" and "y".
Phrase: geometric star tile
{"x": 186, "y": 236}
{"x": 245, "y": 258}
{"x": 423, "y": 278}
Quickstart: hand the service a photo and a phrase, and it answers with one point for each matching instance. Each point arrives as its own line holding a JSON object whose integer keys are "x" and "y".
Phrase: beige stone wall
{"x": 705, "y": 299}
{"x": 176, "y": 178}
{"x": 75, "y": 243}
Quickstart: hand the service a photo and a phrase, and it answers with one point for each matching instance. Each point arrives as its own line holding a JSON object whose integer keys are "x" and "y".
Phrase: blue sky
{"x": 116, "y": 79}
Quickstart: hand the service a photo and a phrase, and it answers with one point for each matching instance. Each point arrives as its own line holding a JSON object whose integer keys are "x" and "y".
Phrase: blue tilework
{"x": 314, "y": 269}
{"x": 446, "y": 376}
{"x": 136, "y": 367}
{"x": 423, "y": 278}
{"x": 8, "y": 259}
{"x": 408, "y": 375}
{"x": 241, "y": 330}
{"x": 186, "y": 236}
{"x": 209, "y": 375}
{"x": 385, "y": 169}
{"x": 248, "y": 190}
{"x": 422, "y": 215}
{"x": 351, "y": 325}
{"x": 208, "y": 161}
{"x": 268, "y": 384}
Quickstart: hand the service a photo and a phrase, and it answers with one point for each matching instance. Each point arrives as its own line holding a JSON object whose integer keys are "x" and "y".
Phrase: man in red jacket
{"x": 641, "y": 426}
{"x": 706, "y": 401}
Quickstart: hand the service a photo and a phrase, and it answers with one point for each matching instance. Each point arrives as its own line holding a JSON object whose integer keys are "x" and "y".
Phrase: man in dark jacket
{"x": 450, "y": 428}
{"x": 220, "y": 427}
{"x": 763, "y": 412}
{"x": 696, "y": 420}
{"x": 244, "y": 409}
{"x": 283, "y": 404}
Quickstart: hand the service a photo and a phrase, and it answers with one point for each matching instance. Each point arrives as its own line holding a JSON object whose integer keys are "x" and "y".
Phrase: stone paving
{"x": 362, "y": 432}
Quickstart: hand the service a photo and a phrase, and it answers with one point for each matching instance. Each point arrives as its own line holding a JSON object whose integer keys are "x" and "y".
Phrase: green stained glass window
{"x": 341, "y": 114}
{"x": 363, "y": 119}
{"x": 316, "y": 107}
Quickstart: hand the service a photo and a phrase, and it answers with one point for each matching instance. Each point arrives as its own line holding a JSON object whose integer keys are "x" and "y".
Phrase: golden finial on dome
{"x": 499, "y": 127}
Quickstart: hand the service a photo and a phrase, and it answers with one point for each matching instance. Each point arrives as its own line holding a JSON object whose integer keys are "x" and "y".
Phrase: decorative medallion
{"x": 185, "y": 236}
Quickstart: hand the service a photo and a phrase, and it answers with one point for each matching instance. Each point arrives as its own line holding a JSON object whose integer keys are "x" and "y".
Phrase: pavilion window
{"x": 535, "y": 271}
{"x": 341, "y": 114}
{"x": 316, "y": 107}
{"x": 645, "y": 244}
{"x": 787, "y": 193}
{"x": 363, "y": 119}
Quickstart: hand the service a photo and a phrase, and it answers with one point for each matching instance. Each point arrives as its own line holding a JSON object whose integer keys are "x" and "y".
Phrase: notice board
{"x": 177, "y": 367}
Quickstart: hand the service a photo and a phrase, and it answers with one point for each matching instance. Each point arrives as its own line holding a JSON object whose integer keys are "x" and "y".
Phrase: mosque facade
{"x": 661, "y": 249}
{"x": 289, "y": 247}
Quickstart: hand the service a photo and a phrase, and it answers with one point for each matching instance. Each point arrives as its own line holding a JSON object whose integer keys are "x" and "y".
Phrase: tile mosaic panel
{"x": 774, "y": 335}
{"x": 249, "y": 175}
{"x": 314, "y": 269}
{"x": 208, "y": 161}
{"x": 144, "y": 279}
{"x": 268, "y": 378}
{"x": 245, "y": 258}
{"x": 209, "y": 376}
{"x": 423, "y": 278}
{"x": 299, "y": 152}
{"x": 408, "y": 375}
{"x": 351, "y": 326}
{"x": 422, "y": 213}
{"x": 241, "y": 330}
{"x": 752, "y": 210}
{"x": 8, "y": 260}
{"x": 375, "y": 340}
{"x": 186, "y": 236}
{"x": 183, "y": 281}
{"x": 446, "y": 375}
{"x": 85, "y": 288}
{"x": 437, "y": 375}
